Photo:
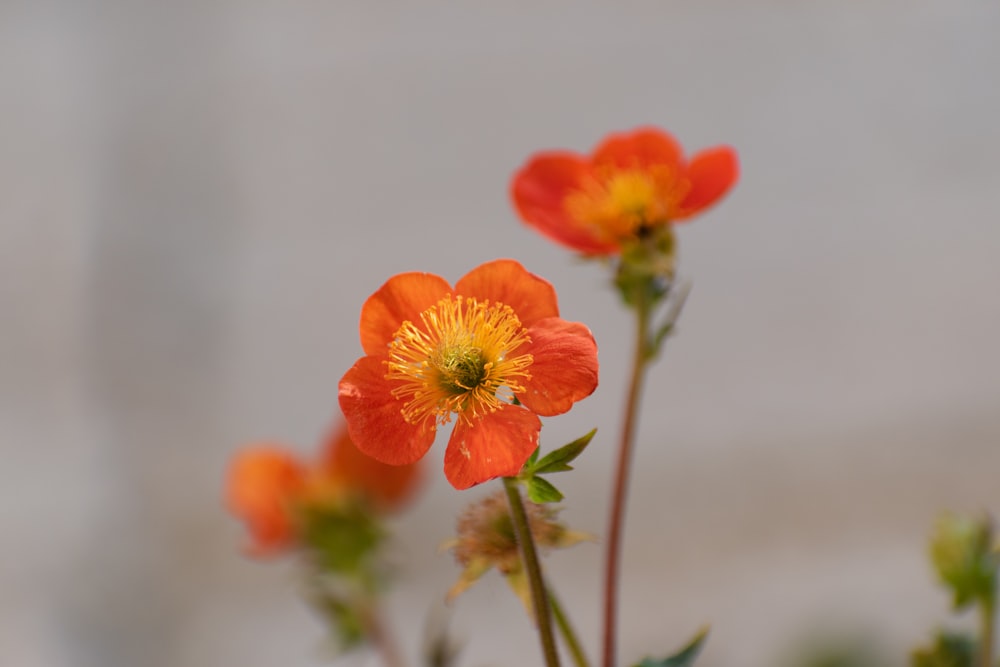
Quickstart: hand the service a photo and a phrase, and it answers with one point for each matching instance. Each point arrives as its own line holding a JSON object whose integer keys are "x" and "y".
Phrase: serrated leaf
{"x": 682, "y": 658}
{"x": 542, "y": 491}
{"x": 558, "y": 460}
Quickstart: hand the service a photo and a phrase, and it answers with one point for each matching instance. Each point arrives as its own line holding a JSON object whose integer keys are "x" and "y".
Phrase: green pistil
{"x": 461, "y": 369}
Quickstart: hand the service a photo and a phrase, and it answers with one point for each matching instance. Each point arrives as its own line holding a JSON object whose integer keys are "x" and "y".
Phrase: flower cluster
{"x": 486, "y": 357}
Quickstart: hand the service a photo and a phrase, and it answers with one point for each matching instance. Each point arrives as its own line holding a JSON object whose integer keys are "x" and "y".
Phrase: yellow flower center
{"x": 459, "y": 361}
{"x": 623, "y": 203}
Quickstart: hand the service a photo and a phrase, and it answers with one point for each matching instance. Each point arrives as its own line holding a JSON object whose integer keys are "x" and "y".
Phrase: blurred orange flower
{"x": 268, "y": 487}
{"x": 633, "y": 183}
{"x": 434, "y": 352}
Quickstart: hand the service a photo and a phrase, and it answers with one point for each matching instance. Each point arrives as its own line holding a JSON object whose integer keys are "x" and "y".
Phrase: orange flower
{"x": 434, "y": 353}
{"x": 382, "y": 487}
{"x": 268, "y": 487}
{"x": 263, "y": 484}
{"x": 631, "y": 184}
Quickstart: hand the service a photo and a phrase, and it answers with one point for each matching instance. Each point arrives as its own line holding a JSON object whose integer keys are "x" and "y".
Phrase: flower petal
{"x": 385, "y": 486}
{"x": 564, "y": 369}
{"x": 496, "y": 445}
{"x": 712, "y": 173}
{"x": 539, "y": 191}
{"x": 506, "y": 281}
{"x": 402, "y": 297}
{"x": 639, "y": 148}
{"x": 262, "y": 484}
{"x": 374, "y": 420}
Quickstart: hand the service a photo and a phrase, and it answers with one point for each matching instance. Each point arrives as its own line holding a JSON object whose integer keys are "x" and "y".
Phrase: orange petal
{"x": 496, "y": 445}
{"x": 402, "y": 297}
{"x": 374, "y": 419}
{"x": 712, "y": 173}
{"x": 262, "y": 484}
{"x": 539, "y": 190}
{"x": 507, "y": 282}
{"x": 386, "y": 486}
{"x": 639, "y": 148}
{"x": 564, "y": 369}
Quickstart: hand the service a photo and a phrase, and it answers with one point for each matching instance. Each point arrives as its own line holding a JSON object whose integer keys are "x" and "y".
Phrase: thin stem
{"x": 532, "y": 567}
{"x": 621, "y": 480}
{"x": 987, "y": 609}
{"x": 568, "y": 634}
{"x": 381, "y": 638}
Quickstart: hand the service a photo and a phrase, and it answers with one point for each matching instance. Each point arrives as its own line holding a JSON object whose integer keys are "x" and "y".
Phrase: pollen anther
{"x": 458, "y": 360}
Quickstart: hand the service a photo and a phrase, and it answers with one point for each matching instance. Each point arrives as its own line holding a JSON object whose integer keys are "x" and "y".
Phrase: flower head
{"x": 262, "y": 486}
{"x": 633, "y": 185}
{"x": 490, "y": 354}
{"x": 275, "y": 492}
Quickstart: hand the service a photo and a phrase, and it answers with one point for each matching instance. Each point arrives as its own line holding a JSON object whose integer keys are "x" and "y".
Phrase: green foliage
{"x": 344, "y": 617}
{"x": 541, "y": 490}
{"x": 964, "y": 556}
{"x": 682, "y": 658}
{"x": 343, "y": 540}
{"x": 949, "y": 650}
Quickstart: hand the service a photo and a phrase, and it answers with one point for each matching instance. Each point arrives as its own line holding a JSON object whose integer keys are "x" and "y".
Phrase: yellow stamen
{"x": 621, "y": 203}
{"x": 458, "y": 361}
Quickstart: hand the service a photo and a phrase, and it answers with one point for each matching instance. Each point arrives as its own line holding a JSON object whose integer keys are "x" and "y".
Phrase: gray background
{"x": 198, "y": 196}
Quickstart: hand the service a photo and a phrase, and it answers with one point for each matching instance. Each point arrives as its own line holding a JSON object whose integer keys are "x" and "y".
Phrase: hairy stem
{"x": 568, "y": 634}
{"x": 532, "y": 567}
{"x": 621, "y": 480}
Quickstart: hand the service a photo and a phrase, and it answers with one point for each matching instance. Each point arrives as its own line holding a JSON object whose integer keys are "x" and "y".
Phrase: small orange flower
{"x": 263, "y": 484}
{"x": 434, "y": 353}
{"x": 631, "y": 184}
{"x": 268, "y": 487}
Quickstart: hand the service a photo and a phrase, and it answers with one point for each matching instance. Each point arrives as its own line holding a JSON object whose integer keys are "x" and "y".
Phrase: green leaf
{"x": 682, "y": 658}
{"x": 530, "y": 463}
{"x": 541, "y": 491}
{"x": 558, "y": 460}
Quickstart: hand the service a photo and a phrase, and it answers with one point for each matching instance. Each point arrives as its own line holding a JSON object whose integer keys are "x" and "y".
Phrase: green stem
{"x": 568, "y": 634}
{"x": 532, "y": 567}
{"x": 987, "y": 610}
{"x": 621, "y": 480}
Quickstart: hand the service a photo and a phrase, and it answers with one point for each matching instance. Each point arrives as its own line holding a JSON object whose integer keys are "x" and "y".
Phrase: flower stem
{"x": 381, "y": 638}
{"x": 987, "y": 609}
{"x": 621, "y": 480}
{"x": 568, "y": 634}
{"x": 532, "y": 567}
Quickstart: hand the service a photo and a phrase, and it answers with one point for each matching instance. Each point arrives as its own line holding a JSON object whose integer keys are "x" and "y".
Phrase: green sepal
{"x": 559, "y": 460}
{"x": 343, "y": 540}
{"x": 682, "y": 658}
{"x": 541, "y": 491}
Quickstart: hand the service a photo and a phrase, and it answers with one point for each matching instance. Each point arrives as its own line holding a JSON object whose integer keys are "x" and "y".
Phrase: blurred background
{"x": 198, "y": 197}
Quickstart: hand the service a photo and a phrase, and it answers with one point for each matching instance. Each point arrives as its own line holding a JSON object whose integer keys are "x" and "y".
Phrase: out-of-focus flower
{"x": 434, "y": 352}
{"x": 276, "y": 493}
{"x": 634, "y": 185}
{"x": 486, "y": 540}
{"x": 263, "y": 484}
